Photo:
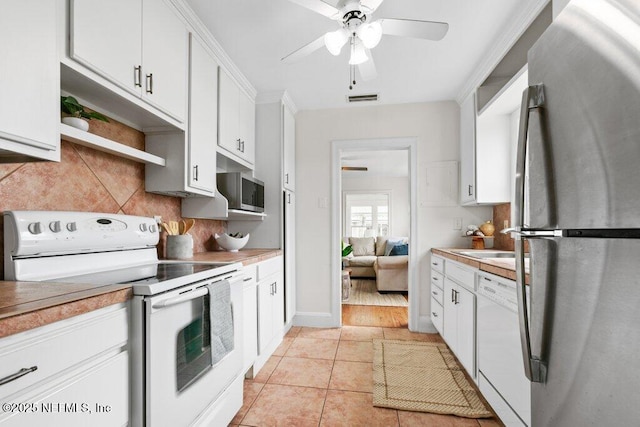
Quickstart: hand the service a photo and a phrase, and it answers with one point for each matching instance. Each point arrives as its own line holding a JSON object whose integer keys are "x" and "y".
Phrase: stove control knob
{"x": 143, "y": 227}
{"x": 153, "y": 228}
{"x": 35, "y": 228}
{"x": 55, "y": 226}
{"x": 72, "y": 227}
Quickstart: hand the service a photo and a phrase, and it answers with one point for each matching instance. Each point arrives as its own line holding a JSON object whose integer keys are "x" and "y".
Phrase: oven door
{"x": 186, "y": 370}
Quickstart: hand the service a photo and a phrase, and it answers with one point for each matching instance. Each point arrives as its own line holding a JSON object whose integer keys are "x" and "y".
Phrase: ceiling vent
{"x": 363, "y": 98}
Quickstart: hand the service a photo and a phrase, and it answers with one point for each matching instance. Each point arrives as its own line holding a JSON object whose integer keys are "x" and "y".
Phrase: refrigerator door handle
{"x": 534, "y": 368}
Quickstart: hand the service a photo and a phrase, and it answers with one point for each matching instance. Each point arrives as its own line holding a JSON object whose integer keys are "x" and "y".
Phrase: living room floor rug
{"x": 364, "y": 292}
{"x": 424, "y": 377}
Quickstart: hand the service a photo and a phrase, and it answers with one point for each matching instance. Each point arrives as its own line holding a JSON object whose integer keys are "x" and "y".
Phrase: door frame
{"x": 354, "y": 145}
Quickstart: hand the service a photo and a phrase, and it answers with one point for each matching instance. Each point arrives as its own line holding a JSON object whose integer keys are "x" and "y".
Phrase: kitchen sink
{"x": 489, "y": 254}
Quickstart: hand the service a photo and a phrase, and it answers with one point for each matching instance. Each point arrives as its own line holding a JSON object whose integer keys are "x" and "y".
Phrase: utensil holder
{"x": 180, "y": 246}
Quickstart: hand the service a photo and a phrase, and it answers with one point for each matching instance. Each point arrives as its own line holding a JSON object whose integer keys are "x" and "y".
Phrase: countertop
{"x": 500, "y": 267}
{"x": 28, "y": 305}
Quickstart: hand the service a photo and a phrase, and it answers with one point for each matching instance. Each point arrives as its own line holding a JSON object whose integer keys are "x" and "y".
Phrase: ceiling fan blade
{"x": 429, "y": 30}
{"x": 319, "y": 6}
{"x": 371, "y": 5}
{"x": 304, "y": 50}
{"x": 368, "y": 68}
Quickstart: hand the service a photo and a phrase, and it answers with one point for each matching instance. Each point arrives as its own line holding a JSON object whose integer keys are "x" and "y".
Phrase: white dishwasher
{"x": 501, "y": 369}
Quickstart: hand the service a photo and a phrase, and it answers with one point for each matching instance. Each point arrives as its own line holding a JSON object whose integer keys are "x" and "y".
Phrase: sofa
{"x": 374, "y": 257}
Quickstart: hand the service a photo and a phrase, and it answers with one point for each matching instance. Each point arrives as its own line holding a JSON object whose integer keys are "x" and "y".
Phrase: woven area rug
{"x": 424, "y": 377}
{"x": 364, "y": 292}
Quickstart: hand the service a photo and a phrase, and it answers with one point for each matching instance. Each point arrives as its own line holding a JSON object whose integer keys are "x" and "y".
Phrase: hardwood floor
{"x": 371, "y": 315}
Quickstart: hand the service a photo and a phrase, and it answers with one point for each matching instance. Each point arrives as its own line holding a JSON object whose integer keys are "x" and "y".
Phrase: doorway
{"x": 373, "y": 195}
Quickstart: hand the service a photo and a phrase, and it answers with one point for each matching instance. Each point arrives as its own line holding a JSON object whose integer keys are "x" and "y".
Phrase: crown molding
{"x": 197, "y": 26}
{"x": 501, "y": 47}
{"x": 277, "y": 96}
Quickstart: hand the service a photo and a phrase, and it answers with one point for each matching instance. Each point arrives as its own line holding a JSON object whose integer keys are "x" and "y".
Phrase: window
{"x": 366, "y": 214}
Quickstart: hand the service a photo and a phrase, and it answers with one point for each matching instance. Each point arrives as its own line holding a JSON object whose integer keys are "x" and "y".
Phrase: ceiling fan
{"x": 362, "y": 34}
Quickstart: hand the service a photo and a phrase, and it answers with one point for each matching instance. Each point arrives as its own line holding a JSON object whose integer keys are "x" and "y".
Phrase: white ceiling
{"x": 256, "y": 34}
{"x": 390, "y": 163}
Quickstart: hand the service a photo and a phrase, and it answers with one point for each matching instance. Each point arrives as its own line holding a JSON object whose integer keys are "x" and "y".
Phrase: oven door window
{"x": 193, "y": 345}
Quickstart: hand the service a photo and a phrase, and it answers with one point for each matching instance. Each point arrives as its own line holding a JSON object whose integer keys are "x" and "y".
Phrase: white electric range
{"x": 185, "y": 340}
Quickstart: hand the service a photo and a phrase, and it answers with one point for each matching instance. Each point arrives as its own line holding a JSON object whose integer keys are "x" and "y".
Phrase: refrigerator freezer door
{"x": 591, "y": 339}
{"x": 584, "y": 144}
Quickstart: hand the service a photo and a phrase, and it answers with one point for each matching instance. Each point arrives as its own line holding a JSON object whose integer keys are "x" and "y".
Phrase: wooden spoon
{"x": 189, "y": 223}
{"x": 181, "y": 226}
{"x": 166, "y": 228}
{"x": 173, "y": 225}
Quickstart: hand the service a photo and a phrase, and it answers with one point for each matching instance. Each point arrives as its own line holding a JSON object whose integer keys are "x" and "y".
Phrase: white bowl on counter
{"x": 231, "y": 244}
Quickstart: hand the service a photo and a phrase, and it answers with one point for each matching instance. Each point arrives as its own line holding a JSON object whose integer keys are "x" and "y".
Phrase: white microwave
{"x": 243, "y": 191}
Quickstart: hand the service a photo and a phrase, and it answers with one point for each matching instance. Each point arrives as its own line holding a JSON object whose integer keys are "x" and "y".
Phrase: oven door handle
{"x": 181, "y": 298}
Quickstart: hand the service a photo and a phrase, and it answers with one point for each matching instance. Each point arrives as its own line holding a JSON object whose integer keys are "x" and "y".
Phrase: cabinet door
{"x": 108, "y": 39}
{"x": 250, "y": 323}
{"x": 265, "y": 313}
{"x": 228, "y": 104}
{"x": 450, "y": 322}
{"x": 289, "y": 255}
{"x": 203, "y": 118}
{"x": 466, "y": 317}
{"x": 164, "y": 58}
{"x": 29, "y": 79}
{"x": 468, "y": 151}
{"x": 247, "y": 127}
{"x": 289, "y": 149}
{"x": 278, "y": 304}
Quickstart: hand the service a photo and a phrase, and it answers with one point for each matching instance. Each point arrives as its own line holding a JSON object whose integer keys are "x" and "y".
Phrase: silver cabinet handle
{"x": 242, "y": 146}
{"x": 137, "y": 76}
{"x": 435, "y": 278}
{"x": 534, "y": 368}
{"x": 470, "y": 190}
{"x": 247, "y": 279}
{"x": 434, "y": 293}
{"x": 195, "y": 173}
{"x": 21, "y": 373}
{"x": 150, "y": 83}
{"x": 286, "y": 178}
{"x": 453, "y": 296}
{"x": 456, "y": 301}
{"x": 289, "y": 198}
{"x": 182, "y": 298}
{"x": 434, "y": 314}
{"x": 238, "y": 146}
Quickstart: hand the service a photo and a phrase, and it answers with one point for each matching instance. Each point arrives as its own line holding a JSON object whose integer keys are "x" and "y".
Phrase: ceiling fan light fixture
{"x": 334, "y": 40}
{"x": 370, "y": 34}
{"x": 358, "y": 55}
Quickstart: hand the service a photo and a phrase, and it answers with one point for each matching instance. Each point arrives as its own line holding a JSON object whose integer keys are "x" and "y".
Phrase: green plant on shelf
{"x": 71, "y": 106}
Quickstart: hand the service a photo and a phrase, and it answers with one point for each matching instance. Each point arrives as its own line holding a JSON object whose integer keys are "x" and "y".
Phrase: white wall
{"x": 399, "y": 187}
{"x": 436, "y": 127}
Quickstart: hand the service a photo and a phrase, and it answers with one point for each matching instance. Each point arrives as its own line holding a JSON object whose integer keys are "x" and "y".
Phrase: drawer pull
{"x": 247, "y": 279}
{"x": 435, "y": 263}
{"x": 434, "y": 278}
{"x": 21, "y": 373}
{"x": 434, "y": 293}
{"x": 434, "y": 314}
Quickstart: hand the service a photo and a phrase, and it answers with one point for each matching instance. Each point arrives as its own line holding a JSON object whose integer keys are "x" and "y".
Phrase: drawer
{"x": 437, "y": 280}
{"x": 437, "y": 294}
{"x": 437, "y": 315}
{"x": 60, "y": 346}
{"x": 437, "y": 263}
{"x": 250, "y": 273}
{"x": 269, "y": 267}
{"x": 465, "y": 276}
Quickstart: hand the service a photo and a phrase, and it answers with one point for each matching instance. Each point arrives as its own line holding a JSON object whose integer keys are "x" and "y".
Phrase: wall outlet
{"x": 457, "y": 223}
{"x": 505, "y": 224}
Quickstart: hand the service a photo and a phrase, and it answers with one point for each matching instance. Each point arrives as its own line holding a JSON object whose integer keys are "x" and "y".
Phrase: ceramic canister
{"x": 180, "y": 246}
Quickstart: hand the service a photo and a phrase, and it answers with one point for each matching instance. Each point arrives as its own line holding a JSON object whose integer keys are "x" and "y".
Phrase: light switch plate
{"x": 457, "y": 223}
{"x": 322, "y": 202}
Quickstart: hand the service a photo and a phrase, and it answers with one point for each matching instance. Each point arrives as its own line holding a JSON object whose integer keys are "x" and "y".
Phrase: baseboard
{"x": 314, "y": 320}
{"x": 425, "y": 325}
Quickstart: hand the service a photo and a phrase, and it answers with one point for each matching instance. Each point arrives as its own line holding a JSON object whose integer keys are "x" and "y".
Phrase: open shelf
{"x": 77, "y": 136}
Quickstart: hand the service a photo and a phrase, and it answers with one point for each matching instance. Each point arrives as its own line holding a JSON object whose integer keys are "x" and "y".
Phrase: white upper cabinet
{"x": 237, "y": 121}
{"x": 190, "y": 157}
{"x": 467, "y": 151}
{"x": 141, "y": 46}
{"x": 29, "y": 81}
{"x": 203, "y": 124}
{"x": 289, "y": 149}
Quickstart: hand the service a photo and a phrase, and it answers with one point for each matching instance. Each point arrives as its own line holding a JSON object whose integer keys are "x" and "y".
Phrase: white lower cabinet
{"x": 81, "y": 374}
{"x": 250, "y": 317}
{"x": 459, "y": 313}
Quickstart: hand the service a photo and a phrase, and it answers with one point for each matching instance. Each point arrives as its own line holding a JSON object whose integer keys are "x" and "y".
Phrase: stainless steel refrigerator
{"x": 578, "y": 207}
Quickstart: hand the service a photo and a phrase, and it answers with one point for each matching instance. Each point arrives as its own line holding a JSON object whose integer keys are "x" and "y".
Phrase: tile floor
{"x": 323, "y": 377}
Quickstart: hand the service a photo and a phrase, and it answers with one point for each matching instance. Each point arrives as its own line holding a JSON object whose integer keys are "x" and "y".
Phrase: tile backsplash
{"x": 92, "y": 181}
{"x": 502, "y": 213}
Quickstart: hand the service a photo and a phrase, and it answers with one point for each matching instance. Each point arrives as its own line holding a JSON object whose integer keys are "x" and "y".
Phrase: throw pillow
{"x": 391, "y": 243}
{"x": 402, "y": 249}
{"x": 363, "y": 245}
